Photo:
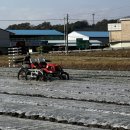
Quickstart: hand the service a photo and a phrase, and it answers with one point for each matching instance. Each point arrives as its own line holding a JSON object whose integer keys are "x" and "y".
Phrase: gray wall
{"x": 4, "y": 41}
{"x": 4, "y": 38}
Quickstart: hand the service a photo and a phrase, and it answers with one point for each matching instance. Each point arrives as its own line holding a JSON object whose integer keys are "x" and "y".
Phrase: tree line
{"x": 76, "y": 26}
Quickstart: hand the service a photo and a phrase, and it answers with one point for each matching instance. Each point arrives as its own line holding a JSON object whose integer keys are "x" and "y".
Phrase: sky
{"x": 54, "y": 11}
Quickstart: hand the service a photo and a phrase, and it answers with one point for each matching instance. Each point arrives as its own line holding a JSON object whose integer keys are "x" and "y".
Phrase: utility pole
{"x": 93, "y": 19}
{"x": 67, "y": 23}
{"x": 65, "y": 32}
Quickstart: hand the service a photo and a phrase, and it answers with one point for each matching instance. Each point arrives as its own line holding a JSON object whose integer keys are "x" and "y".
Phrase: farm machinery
{"x": 41, "y": 70}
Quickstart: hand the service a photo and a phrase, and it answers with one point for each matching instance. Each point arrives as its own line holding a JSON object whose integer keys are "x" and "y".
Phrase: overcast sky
{"x": 54, "y": 10}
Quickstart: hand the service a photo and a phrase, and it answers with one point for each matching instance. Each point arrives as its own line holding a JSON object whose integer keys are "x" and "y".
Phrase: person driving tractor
{"x": 26, "y": 60}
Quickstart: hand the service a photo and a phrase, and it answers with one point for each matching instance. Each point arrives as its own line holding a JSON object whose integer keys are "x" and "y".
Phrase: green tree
{"x": 20, "y": 26}
{"x": 44, "y": 25}
{"x": 102, "y": 25}
{"x": 78, "y": 25}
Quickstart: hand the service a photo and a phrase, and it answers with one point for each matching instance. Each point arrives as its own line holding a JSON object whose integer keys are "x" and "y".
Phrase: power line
{"x": 11, "y": 20}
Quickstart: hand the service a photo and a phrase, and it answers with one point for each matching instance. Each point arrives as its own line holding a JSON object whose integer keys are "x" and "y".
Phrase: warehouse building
{"x": 83, "y": 40}
{"x": 119, "y": 34}
{"x": 96, "y": 39}
{"x": 76, "y": 39}
{"x": 31, "y": 39}
{"x": 4, "y": 41}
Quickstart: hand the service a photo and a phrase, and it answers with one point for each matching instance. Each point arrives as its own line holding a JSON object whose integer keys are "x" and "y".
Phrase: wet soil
{"x": 93, "y": 100}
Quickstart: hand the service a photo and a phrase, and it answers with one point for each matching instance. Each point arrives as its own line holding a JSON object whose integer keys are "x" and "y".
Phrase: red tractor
{"x": 41, "y": 70}
{"x": 51, "y": 70}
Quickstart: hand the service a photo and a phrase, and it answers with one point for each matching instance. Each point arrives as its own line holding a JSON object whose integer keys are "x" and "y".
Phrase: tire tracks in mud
{"x": 67, "y": 98}
{"x": 64, "y": 121}
{"x": 11, "y": 110}
{"x": 36, "y": 116}
{"x": 43, "y": 118}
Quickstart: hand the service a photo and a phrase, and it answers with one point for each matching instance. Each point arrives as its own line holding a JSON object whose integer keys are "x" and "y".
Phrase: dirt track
{"x": 93, "y": 100}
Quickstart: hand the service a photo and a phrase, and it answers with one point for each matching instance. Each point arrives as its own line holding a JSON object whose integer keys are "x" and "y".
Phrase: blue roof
{"x": 36, "y": 32}
{"x": 94, "y": 33}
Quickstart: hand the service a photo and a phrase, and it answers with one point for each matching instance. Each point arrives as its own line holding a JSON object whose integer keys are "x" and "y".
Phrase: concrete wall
{"x": 121, "y": 38}
{"x": 115, "y": 36}
{"x": 125, "y": 30}
{"x": 120, "y": 45}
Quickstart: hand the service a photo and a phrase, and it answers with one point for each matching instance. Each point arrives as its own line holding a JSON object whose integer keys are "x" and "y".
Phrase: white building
{"x": 75, "y": 35}
{"x": 95, "y": 38}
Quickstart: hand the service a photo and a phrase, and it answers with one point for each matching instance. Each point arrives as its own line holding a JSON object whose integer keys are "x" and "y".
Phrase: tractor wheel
{"x": 22, "y": 74}
{"x": 64, "y": 76}
{"x": 28, "y": 75}
{"x": 41, "y": 78}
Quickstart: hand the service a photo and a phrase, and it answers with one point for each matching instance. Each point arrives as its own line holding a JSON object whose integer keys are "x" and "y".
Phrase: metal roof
{"x": 36, "y": 32}
{"x": 5, "y": 31}
{"x": 94, "y": 33}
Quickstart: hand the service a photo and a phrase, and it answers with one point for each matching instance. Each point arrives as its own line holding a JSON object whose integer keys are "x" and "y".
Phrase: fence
{"x": 13, "y": 54}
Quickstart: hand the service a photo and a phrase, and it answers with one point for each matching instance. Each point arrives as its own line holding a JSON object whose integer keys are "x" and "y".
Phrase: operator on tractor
{"x": 26, "y": 60}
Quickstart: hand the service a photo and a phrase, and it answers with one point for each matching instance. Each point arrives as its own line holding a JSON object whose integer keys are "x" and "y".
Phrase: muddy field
{"x": 90, "y": 100}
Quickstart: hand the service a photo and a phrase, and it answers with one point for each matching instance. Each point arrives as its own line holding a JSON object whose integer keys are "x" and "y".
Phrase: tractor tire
{"x": 64, "y": 76}
{"x": 28, "y": 75}
{"x": 22, "y": 74}
{"x": 41, "y": 78}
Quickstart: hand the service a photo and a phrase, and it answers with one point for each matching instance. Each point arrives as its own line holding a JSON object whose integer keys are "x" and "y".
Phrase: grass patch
{"x": 94, "y": 60}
